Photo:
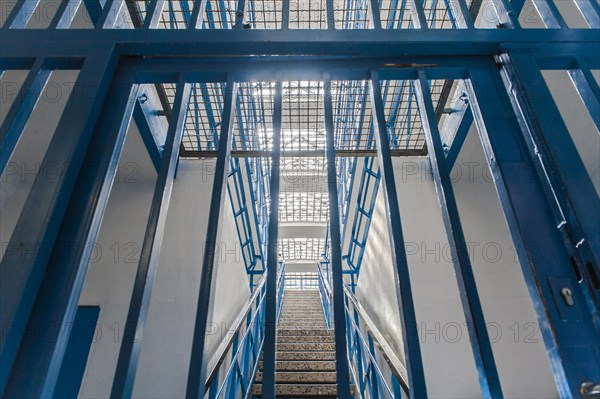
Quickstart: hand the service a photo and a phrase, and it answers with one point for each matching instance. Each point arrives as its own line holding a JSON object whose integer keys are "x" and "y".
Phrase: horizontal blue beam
{"x": 360, "y": 43}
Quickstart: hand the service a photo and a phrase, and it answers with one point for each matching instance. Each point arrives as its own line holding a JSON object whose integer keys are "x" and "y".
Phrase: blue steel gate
{"x": 555, "y": 208}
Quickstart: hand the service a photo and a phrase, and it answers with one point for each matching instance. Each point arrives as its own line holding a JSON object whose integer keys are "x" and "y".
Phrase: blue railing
{"x": 232, "y": 374}
{"x": 325, "y": 293}
{"x": 376, "y": 370}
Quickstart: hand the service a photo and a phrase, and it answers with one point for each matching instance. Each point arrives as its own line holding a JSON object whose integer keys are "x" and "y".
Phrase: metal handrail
{"x": 395, "y": 365}
{"x": 254, "y": 304}
{"x": 224, "y": 347}
{"x": 325, "y": 294}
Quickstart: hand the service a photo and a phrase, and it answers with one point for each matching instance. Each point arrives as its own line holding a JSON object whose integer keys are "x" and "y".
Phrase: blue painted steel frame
{"x": 339, "y": 319}
{"x": 144, "y": 281}
{"x": 61, "y": 288}
{"x": 269, "y": 354}
{"x": 544, "y": 259}
{"x": 412, "y": 347}
{"x": 39, "y": 222}
{"x": 489, "y": 380}
{"x": 197, "y": 370}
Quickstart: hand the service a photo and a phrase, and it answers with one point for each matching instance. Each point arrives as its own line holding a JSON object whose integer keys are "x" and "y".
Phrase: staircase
{"x": 305, "y": 350}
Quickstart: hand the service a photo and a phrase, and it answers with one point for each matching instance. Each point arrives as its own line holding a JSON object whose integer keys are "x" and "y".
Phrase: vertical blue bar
{"x": 21, "y": 109}
{"x": 489, "y": 381}
{"x": 339, "y": 311}
{"x": 142, "y": 289}
{"x": 412, "y": 346}
{"x": 80, "y": 342}
{"x": 25, "y": 259}
{"x": 270, "y": 344}
{"x": 198, "y": 362}
{"x": 572, "y": 342}
{"x": 556, "y": 143}
{"x": 63, "y": 281}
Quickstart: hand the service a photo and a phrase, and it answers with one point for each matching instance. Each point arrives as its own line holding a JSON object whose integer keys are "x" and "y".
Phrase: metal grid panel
{"x": 303, "y": 116}
{"x": 296, "y": 249}
{"x": 352, "y": 14}
{"x": 176, "y": 14}
{"x": 308, "y": 14}
{"x": 219, "y": 14}
{"x": 202, "y": 125}
{"x": 253, "y": 126}
{"x": 301, "y": 281}
{"x": 264, "y": 14}
{"x": 352, "y": 115}
{"x": 304, "y": 207}
{"x": 402, "y": 116}
{"x": 440, "y": 15}
{"x": 395, "y": 14}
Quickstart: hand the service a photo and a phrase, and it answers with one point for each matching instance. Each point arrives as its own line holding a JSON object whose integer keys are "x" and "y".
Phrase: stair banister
{"x": 255, "y": 326}
{"x": 393, "y": 362}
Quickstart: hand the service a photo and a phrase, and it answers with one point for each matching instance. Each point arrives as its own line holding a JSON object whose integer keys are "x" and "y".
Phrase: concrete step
{"x": 298, "y": 365}
{"x": 306, "y": 346}
{"x": 304, "y": 331}
{"x": 302, "y": 356}
{"x": 302, "y": 377}
{"x": 305, "y": 338}
{"x": 303, "y": 390}
{"x": 302, "y": 318}
{"x": 301, "y": 325}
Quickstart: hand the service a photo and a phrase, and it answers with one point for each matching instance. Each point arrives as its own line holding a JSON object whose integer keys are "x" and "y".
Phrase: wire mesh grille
{"x": 352, "y": 115}
{"x": 308, "y": 14}
{"x": 303, "y": 207}
{"x": 352, "y": 14}
{"x": 203, "y": 121}
{"x": 253, "y": 126}
{"x": 395, "y": 14}
{"x": 302, "y": 116}
{"x": 295, "y": 249}
{"x": 264, "y": 14}
{"x": 219, "y": 14}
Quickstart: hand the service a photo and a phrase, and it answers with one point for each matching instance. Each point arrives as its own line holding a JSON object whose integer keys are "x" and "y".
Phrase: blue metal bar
{"x": 339, "y": 319}
{"x": 350, "y": 43}
{"x": 587, "y": 88}
{"x": 410, "y": 335}
{"x": 590, "y": 11}
{"x": 553, "y": 136}
{"x": 24, "y": 261}
{"x": 153, "y": 14}
{"x": 59, "y": 294}
{"x": 489, "y": 380}
{"x": 21, "y": 109}
{"x": 65, "y": 14}
{"x": 459, "y": 138}
{"x": 142, "y": 289}
{"x": 268, "y": 385}
{"x": 197, "y": 17}
{"x": 21, "y": 14}
{"x": 153, "y": 140}
{"x": 197, "y": 370}
{"x": 568, "y": 331}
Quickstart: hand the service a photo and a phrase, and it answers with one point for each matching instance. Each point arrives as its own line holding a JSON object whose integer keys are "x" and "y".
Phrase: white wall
{"x": 165, "y": 354}
{"x": 449, "y": 367}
